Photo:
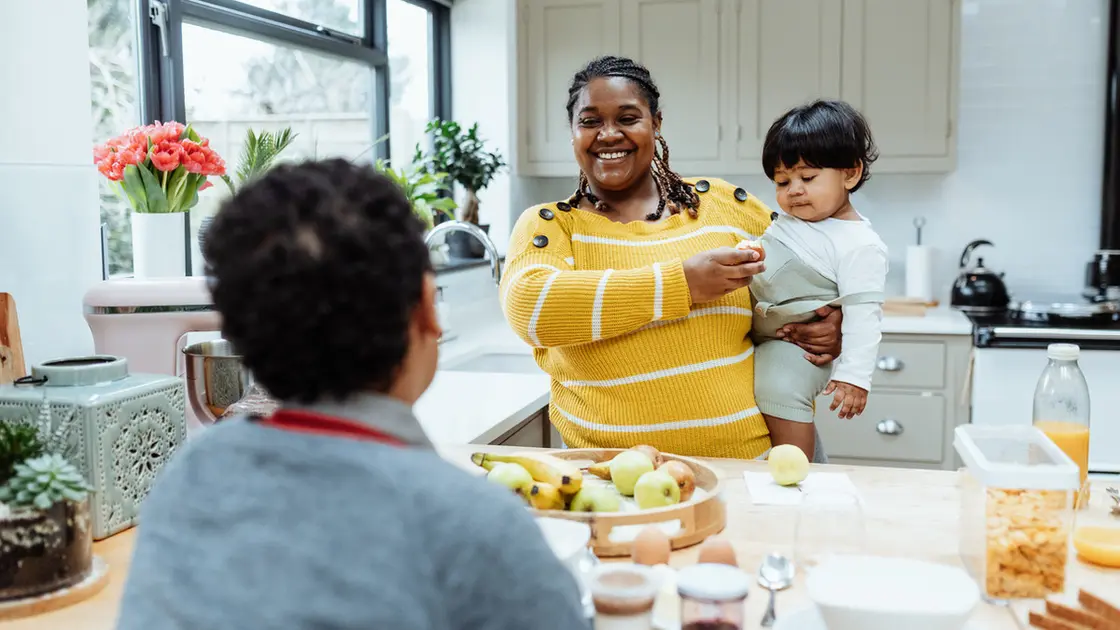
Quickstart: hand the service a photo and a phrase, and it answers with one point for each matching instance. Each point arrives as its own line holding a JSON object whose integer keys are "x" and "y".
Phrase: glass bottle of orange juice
{"x": 1061, "y": 407}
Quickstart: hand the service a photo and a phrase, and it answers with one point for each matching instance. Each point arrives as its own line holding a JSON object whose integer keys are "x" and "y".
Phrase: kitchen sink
{"x": 502, "y": 362}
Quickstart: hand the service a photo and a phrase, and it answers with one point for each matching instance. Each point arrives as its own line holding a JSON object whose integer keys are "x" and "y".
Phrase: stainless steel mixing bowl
{"x": 216, "y": 378}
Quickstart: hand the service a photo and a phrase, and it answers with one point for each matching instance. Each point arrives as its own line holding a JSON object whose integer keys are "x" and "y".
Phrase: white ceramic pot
{"x": 159, "y": 245}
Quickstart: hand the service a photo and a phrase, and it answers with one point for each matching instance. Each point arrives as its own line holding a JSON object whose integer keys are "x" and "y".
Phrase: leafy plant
{"x": 423, "y": 190}
{"x": 463, "y": 156}
{"x": 258, "y": 154}
{"x": 19, "y": 442}
{"x": 42, "y": 481}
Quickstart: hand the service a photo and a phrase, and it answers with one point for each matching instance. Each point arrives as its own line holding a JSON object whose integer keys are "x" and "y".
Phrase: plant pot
{"x": 159, "y": 245}
{"x": 42, "y": 551}
{"x": 463, "y": 245}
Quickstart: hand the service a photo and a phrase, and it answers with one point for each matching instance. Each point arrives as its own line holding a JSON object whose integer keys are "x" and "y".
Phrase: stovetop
{"x": 1014, "y": 330}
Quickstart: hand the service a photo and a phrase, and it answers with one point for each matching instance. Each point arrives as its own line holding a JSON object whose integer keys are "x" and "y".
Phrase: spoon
{"x": 775, "y": 574}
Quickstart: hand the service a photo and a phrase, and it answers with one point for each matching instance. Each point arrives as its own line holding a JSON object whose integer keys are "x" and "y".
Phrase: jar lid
{"x": 1018, "y": 457}
{"x": 1063, "y": 351}
{"x": 713, "y": 582}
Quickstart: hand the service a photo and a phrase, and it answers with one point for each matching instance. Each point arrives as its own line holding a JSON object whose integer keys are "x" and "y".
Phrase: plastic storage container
{"x": 1017, "y": 493}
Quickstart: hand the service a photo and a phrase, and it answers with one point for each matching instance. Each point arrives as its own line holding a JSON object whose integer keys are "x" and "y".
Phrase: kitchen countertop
{"x": 908, "y": 513}
{"x": 937, "y": 321}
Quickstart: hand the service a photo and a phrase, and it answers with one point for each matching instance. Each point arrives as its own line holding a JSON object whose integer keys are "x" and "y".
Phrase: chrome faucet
{"x": 475, "y": 231}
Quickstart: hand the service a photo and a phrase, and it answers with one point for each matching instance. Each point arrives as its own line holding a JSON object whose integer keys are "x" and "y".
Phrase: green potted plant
{"x": 462, "y": 154}
{"x": 258, "y": 154}
{"x": 424, "y": 190}
{"x": 44, "y": 515}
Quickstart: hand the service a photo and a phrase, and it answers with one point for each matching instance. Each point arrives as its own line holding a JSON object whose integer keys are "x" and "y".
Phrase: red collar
{"x": 301, "y": 421}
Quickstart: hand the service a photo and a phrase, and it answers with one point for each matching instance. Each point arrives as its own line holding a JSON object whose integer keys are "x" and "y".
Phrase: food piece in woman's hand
{"x": 752, "y": 244}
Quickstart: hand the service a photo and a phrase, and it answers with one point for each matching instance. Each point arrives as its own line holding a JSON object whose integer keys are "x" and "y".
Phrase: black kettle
{"x": 977, "y": 289}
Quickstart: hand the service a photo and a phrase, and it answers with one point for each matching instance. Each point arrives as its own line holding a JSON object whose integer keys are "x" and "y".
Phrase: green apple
{"x": 513, "y": 476}
{"x": 626, "y": 467}
{"x": 788, "y": 465}
{"x": 595, "y": 499}
{"x": 655, "y": 489}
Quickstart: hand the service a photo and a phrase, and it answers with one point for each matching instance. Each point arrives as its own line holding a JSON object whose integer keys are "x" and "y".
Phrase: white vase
{"x": 159, "y": 245}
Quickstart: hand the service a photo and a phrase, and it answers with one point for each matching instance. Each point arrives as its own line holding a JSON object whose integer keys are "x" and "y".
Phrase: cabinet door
{"x": 898, "y": 70}
{"x": 558, "y": 38}
{"x": 678, "y": 40}
{"x": 787, "y": 53}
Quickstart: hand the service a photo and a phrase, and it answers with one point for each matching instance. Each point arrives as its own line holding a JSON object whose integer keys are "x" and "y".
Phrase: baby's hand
{"x": 850, "y": 399}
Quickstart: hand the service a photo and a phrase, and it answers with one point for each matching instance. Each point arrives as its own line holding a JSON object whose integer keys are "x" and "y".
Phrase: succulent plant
{"x": 19, "y": 441}
{"x": 42, "y": 481}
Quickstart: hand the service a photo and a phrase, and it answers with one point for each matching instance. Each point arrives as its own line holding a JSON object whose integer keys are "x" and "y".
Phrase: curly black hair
{"x": 674, "y": 191}
{"x": 823, "y": 133}
{"x": 316, "y": 269}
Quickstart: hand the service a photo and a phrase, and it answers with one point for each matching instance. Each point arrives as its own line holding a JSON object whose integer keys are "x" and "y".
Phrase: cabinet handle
{"x": 889, "y": 364}
{"x": 890, "y": 426}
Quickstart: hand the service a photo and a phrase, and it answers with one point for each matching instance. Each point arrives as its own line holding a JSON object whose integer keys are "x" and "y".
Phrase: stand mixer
{"x": 146, "y": 322}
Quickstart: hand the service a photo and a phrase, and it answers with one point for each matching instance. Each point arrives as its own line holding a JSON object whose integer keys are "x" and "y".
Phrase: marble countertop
{"x": 477, "y": 407}
{"x": 937, "y": 321}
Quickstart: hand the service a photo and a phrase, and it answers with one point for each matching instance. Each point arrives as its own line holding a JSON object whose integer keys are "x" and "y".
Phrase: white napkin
{"x": 765, "y": 492}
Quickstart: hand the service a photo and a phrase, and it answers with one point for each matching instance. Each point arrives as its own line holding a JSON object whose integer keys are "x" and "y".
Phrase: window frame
{"x": 162, "y": 90}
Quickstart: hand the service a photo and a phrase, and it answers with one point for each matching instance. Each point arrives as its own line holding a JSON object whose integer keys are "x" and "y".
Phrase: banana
{"x": 566, "y": 476}
{"x": 601, "y": 470}
{"x": 545, "y": 496}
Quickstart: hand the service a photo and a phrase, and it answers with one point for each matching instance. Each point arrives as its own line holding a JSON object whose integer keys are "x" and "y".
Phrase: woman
{"x": 629, "y": 290}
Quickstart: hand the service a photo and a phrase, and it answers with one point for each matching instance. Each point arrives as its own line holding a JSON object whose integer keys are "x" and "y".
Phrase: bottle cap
{"x": 713, "y": 582}
{"x": 1063, "y": 351}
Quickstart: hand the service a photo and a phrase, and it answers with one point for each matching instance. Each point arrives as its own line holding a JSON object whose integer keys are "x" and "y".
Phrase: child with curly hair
{"x": 335, "y": 512}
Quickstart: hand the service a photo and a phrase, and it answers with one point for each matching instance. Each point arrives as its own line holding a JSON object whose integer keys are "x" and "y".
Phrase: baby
{"x": 819, "y": 252}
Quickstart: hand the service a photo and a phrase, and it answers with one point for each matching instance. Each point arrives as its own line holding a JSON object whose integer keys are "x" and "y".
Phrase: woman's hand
{"x": 717, "y": 272}
{"x": 820, "y": 339}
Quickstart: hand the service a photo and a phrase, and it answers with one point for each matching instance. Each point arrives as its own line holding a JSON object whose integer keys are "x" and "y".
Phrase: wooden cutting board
{"x": 11, "y": 347}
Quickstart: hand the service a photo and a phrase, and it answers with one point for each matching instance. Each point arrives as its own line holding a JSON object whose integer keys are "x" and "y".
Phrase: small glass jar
{"x": 712, "y": 597}
{"x": 623, "y": 595}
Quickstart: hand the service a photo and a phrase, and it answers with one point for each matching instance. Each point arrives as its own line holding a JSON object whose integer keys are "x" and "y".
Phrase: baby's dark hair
{"x": 825, "y": 134}
{"x": 316, "y": 269}
{"x": 674, "y": 191}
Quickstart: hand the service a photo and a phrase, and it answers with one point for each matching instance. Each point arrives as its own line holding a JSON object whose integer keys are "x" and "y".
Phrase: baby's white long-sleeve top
{"x": 853, "y": 256}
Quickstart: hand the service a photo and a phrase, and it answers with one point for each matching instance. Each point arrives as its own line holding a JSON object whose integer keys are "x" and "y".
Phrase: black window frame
{"x": 160, "y": 55}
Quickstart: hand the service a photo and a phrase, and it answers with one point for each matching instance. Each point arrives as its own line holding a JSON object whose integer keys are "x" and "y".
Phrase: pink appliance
{"x": 146, "y": 322}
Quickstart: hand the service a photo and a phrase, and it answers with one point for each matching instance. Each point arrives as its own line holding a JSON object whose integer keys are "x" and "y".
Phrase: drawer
{"x": 894, "y": 426}
{"x": 910, "y": 364}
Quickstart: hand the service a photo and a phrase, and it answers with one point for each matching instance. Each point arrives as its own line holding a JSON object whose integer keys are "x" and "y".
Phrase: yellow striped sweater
{"x": 608, "y": 311}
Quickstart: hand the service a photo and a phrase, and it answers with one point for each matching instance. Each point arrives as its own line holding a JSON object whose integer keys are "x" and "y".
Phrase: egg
{"x": 717, "y": 551}
{"x": 651, "y": 547}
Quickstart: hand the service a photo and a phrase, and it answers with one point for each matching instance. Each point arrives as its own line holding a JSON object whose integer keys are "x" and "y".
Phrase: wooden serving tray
{"x": 686, "y": 524}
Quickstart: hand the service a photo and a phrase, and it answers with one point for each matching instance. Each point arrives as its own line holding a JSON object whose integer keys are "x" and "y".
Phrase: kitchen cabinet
{"x": 535, "y": 432}
{"x": 557, "y": 38}
{"x": 919, "y": 394}
{"x": 726, "y": 69}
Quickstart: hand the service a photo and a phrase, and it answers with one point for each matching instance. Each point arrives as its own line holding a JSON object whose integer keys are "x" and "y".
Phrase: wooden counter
{"x": 911, "y": 513}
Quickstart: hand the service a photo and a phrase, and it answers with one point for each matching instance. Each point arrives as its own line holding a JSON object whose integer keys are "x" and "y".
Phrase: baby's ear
{"x": 852, "y": 176}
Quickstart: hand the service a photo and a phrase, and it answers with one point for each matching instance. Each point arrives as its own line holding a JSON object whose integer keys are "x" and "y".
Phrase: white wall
{"x": 483, "y": 90}
{"x": 1031, "y": 133}
{"x": 50, "y": 250}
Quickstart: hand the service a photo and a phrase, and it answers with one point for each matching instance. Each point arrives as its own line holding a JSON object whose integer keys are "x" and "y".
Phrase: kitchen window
{"x": 357, "y": 79}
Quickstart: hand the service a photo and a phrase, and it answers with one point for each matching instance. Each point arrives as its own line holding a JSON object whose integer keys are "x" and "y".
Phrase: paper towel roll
{"x": 919, "y": 272}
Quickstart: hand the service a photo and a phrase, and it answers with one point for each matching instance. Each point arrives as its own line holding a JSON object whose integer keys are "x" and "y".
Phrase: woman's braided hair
{"x": 673, "y": 191}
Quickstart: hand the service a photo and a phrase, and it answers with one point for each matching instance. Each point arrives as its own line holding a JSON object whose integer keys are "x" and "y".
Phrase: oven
{"x": 1008, "y": 359}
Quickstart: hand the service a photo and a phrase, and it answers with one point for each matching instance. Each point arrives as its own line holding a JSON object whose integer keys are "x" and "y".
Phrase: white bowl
{"x": 875, "y": 593}
{"x": 567, "y": 539}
